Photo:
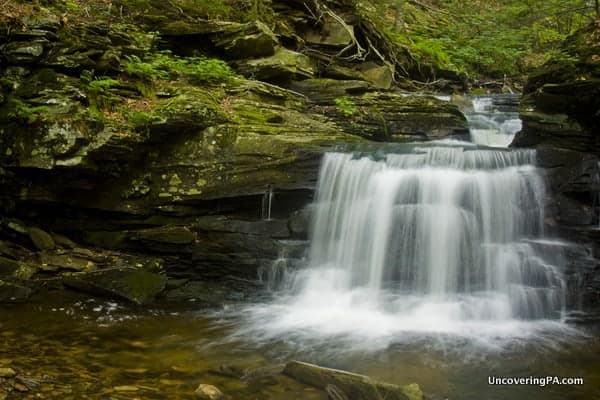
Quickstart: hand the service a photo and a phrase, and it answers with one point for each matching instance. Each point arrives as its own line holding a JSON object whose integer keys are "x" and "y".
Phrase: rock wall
{"x": 560, "y": 110}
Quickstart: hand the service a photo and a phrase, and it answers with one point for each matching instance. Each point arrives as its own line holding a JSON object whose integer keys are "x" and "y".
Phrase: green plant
{"x": 346, "y": 106}
{"x": 145, "y": 70}
{"x": 165, "y": 65}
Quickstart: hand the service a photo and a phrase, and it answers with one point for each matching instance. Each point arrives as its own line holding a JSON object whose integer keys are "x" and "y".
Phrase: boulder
{"x": 352, "y": 386}
{"x": 133, "y": 285}
{"x": 251, "y": 40}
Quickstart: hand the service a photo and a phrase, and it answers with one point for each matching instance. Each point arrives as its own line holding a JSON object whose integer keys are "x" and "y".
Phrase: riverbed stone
{"x": 353, "y": 386}
{"x": 208, "y": 392}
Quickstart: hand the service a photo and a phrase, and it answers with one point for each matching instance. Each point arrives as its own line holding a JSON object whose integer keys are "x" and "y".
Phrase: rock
{"x": 54, "y": 262}
{"x": 7, "y": 373}
{"x": 13, "y": 292}
{"x": 380, "y": 76}
{"x": 393, "y": 117}
{"x": 41, "y": 239}
{"x": 353, "y": 386}
{"x": 331, "y": 33}
{"x": 284, "y": 65}
{"x": 250, "y": 40}
{"x": 24, "y": 52}
{"x": 299, "y": 222}
{"x": 136, "y": 286}
{"x": 324, "y": 91}
{"x": 208, "y": 392}
{"x": 177, "y": 235}
{"x": 272, "y": 228}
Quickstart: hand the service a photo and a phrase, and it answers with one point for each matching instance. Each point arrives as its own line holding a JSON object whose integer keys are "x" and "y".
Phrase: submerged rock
{"x": 208, "y": 392}
{"x": 352, "y": 386}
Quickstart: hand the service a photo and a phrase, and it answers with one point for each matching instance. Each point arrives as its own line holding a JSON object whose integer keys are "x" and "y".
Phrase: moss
{"x": 16, "y": 109}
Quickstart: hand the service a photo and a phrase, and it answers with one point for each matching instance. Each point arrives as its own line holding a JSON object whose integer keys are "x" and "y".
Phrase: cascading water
{"x": 494, "y": 121}
{"x": 431, "y": 239}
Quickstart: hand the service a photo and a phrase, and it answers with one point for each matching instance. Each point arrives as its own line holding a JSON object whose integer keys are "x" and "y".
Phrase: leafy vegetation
{"x": 168, "y": 66}
{"x": 490, "y": 38}
{"x": 346, "y": 106}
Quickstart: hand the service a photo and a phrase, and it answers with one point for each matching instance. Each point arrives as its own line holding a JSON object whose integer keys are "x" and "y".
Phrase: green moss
{"x": 141, "y": 120}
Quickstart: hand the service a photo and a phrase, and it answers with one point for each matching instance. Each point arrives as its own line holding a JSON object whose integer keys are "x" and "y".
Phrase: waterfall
{"x": 445, "y": 224}
{"x": 494, "y": 121}
{"x": 417, "y": 240}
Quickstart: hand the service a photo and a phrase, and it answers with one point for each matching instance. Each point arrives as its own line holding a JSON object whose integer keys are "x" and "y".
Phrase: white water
{"x": 435, "y": 241}
{"x": 490, "y": 126}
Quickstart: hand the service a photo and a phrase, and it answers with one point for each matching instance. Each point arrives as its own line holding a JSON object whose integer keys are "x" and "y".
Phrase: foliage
{"x": 490, "y": 38}
{"x": 346, "y": 106}
{"x": 167, "y": 66}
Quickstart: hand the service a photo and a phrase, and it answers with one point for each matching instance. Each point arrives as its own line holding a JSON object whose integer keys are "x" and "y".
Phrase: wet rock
{"x": 13, "y": 292}
{"x": 353, "y": 386}
{"x": 208, "y": 392}
{"x": 299, "y": 222}
{"x": 136, "y": 286}
{"x": 41, "y": 239}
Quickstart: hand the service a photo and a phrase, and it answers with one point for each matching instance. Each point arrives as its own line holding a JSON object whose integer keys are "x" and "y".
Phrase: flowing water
{"x": 429, "y": 240}
{"x": 494, "y": 120}
{"x": 427, "y": 263}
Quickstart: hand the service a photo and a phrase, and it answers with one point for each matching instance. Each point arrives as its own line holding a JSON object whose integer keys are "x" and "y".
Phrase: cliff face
{"x": 123, "y": 149}
{"x": 560, "y": 110}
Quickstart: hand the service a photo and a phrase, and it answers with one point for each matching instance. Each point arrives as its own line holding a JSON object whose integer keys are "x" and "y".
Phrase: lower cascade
{"x": 440, "y": 239}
